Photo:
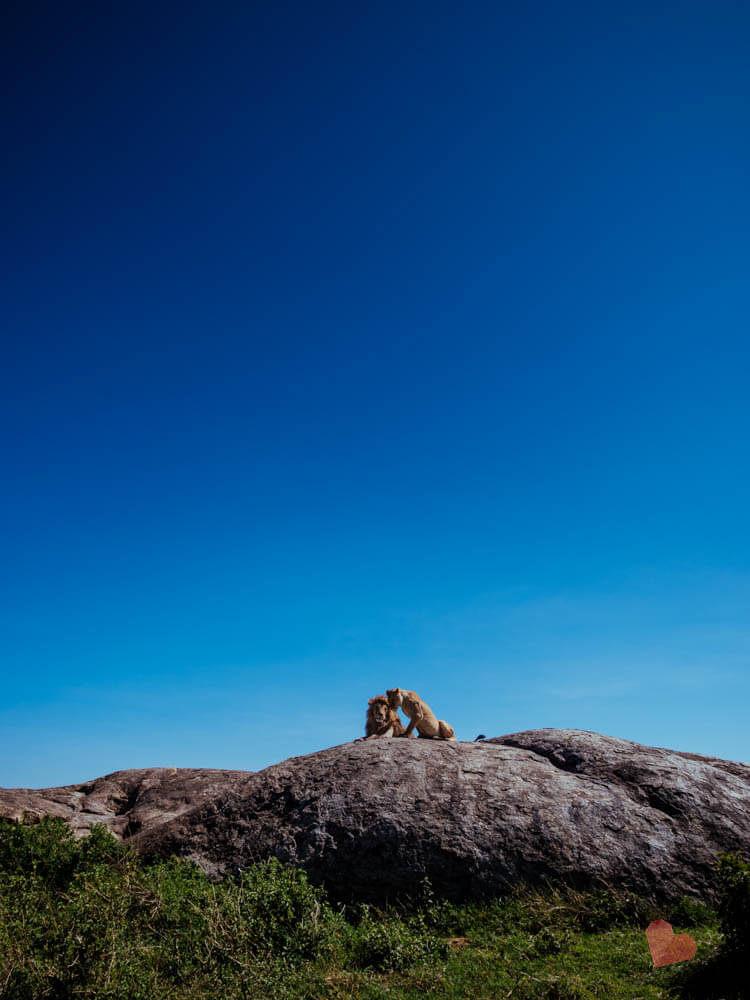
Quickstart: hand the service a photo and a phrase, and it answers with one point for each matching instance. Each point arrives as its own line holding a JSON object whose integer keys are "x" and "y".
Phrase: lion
{"x": 420, "y": 715}
{"x": 382, "y": 720}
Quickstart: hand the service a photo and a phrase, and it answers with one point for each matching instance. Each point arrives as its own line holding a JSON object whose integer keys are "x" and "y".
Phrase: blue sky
{"x": 352, "y": 348}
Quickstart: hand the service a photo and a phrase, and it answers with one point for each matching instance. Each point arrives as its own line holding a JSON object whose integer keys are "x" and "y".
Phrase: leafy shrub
{"x": 603, "y": 910}
{"x": 424, "y": 909}
{"x": 691, "y": 913}
{"x": 89, "y": 918}
{"x": 549, "y": 942}
{"x": 49, "y": 850}
{"x": 285, "y": 915}
{"x": 69, "y": 915}
{"x": 734, "y": 902}
{"x": 391, "y": 943}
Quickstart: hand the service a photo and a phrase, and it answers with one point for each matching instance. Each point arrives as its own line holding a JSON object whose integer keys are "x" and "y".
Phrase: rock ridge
{"x": 370, "y": 820}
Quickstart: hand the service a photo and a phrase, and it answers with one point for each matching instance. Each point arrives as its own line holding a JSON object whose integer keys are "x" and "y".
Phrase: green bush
{"x": 601, "y": 911}
{"x": 734, "y": 902}
{"x": 49, "y": 850}
{"x": 285, "y": 915}
{"x": 690, "y": 913}
{"x": 88, "y": 918}
{"x": 426, "y": 910}
{"x": 550, "y": 942}
{"x": 70, "y": 915}
{"x": 390, "y": 943}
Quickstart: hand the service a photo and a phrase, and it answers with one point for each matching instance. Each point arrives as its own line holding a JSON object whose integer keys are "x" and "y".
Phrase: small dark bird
{"x": 480, "y": 737}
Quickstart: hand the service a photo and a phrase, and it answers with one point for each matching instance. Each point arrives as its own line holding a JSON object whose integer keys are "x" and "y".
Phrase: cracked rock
{"x": 370, "y": 820}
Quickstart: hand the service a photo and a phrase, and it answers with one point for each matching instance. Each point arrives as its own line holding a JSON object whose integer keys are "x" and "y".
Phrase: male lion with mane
{"x": 382, "y": 720}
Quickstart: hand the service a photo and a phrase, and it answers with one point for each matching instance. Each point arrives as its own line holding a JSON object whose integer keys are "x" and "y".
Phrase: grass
{"x": 90, "y": 919}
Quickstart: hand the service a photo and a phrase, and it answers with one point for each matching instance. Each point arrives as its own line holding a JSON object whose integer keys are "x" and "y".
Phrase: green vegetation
{"x": 89, "y": 919}
{"x": 734, "y": 909}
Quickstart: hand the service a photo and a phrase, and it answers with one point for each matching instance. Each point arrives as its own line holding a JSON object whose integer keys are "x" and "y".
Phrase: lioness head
{"x": 395, "y": 697}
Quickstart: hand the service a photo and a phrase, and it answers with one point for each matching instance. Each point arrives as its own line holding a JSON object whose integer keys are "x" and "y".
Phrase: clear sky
{"x": 353, "y": 346}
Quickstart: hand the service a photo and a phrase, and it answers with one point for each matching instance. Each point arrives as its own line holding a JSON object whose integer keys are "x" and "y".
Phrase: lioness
{"x": 420, "y": 715}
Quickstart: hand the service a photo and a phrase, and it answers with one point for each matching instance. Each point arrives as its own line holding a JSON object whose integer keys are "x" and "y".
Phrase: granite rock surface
{"x": 369, "y": 820}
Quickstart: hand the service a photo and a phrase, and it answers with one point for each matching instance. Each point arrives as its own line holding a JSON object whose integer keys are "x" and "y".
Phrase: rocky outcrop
{"x": 125, "y": 801}
{"x": 370, "y": 820}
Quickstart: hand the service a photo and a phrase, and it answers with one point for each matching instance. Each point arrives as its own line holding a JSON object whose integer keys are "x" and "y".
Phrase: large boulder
{"x": 371, "y": 819}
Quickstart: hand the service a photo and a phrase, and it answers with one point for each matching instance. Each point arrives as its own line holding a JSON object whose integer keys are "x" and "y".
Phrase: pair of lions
{"x": 383, "y": 718}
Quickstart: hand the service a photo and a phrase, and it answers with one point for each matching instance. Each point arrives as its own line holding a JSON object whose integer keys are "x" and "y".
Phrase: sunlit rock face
{"x": 370, "y": 820}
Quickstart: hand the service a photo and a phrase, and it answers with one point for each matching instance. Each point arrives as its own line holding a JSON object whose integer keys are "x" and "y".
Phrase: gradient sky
{"x": 351, "y": 348}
